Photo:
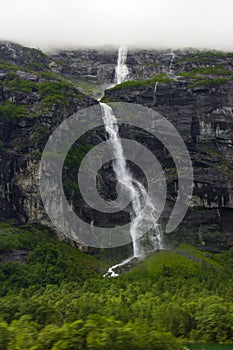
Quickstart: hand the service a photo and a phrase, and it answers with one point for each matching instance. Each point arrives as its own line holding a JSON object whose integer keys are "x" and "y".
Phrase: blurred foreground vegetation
{"x": 53, "y": 296}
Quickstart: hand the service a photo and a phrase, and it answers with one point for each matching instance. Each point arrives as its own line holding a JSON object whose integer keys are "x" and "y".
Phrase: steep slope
{"x": 34, "y": 100}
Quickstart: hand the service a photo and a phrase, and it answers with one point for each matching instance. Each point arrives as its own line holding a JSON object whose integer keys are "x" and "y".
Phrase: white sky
{"x": 166, "y": 23}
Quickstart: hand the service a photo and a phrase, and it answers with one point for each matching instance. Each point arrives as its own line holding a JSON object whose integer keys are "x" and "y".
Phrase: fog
{"x": 49, "y": 24}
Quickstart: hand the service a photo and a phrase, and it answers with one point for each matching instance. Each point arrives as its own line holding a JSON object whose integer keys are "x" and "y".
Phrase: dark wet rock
{"x": 19, "y": 256}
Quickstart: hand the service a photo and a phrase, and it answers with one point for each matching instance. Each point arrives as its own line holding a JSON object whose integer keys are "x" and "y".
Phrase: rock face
{"x": 30, "y": 109}
{"x": 93, "y": 70}
{"x": 194, "y": 92}
{"x": 201, "y": 110}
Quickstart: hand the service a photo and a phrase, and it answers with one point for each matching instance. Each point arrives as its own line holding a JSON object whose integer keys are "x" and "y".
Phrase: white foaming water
{"x": 170, "y": 73}
{"x": 171, "y": 62}
{"x": 168, "y": 70}
{"x": 143, "y": 217}
{"x": 155, "y": 91}
{"x": 121, "y": 70}
{"x": 112, "y": 273}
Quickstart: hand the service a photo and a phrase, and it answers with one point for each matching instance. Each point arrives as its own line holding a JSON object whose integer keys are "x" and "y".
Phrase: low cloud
{"x": 74, "y": 23}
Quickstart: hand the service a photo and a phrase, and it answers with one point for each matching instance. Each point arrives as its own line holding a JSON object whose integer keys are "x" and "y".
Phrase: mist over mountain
{"x": 168, "y": 23}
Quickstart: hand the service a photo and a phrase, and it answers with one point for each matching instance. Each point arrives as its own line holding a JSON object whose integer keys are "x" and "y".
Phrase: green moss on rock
{"x": 160, "y": 78}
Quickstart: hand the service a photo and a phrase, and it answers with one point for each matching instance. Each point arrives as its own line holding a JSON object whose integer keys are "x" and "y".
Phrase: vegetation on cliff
{"x": 160, "y": 78}
{"x": 37, "y": 81}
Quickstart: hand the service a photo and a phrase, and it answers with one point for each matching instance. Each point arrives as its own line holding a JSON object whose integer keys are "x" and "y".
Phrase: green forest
{"x": 53, "y": 296}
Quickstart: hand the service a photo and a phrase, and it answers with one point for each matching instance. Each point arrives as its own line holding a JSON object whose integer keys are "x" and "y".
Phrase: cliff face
{"x": 198, "y": 101}
{"x": 194, "y": 92}
{"x": 34, "y": 100}
{"x": 93, "y": 70}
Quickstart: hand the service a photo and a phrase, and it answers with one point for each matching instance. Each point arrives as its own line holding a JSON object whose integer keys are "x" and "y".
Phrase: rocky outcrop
{"x": 19, "y": 256}
{"x": 93, "y": 70}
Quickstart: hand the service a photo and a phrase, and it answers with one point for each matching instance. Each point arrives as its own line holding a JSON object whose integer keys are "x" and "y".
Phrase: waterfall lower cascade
{"x": 143, "y": 210}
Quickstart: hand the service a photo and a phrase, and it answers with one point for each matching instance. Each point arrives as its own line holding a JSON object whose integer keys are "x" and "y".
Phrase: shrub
{"x": 12, "y": 110}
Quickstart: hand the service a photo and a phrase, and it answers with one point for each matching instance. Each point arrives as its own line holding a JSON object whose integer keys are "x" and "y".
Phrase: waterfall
{"x": 170, "y": 73}
{"x": 171, "y": 62}
{"x": 143, "y": 216}
{"x": 168, "y": 70}
{"x": 155, "y": 91}
{"x": 144, "y": 212}
{"x": 121, "y": 70}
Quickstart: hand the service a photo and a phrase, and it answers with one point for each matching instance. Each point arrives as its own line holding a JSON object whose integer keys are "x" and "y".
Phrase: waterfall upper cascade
{"x": 170, "y": 73}
{"x": 169, "y": 69}
{"x": 121, "y": 70}
{"x": 143, "y": 210}
{"x": 171, "y": 62}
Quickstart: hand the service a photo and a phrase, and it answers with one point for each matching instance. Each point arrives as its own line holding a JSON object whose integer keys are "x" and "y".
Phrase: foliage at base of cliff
{"x": 53, "y": 296}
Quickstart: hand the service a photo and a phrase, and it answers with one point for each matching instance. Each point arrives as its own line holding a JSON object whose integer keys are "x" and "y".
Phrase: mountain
{"x": 194, "y": 92}
{"x": 54, "y": 296}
